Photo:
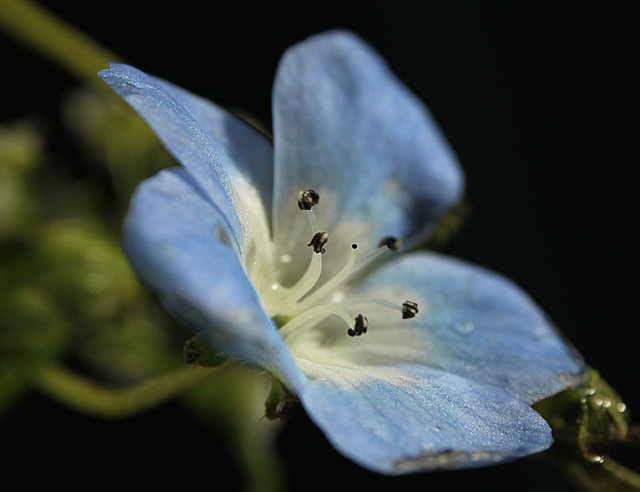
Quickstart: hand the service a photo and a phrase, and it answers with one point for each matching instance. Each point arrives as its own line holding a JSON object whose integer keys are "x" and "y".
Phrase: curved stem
{"x": 88, "y": 396}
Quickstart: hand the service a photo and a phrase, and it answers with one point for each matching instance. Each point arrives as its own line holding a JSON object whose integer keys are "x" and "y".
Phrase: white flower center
{"x": 305, "y": 303}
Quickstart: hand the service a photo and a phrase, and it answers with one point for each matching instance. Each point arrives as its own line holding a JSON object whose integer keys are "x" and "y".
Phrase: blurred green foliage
{"x": 66, "y": 287}
{"x": 68, "y": 295}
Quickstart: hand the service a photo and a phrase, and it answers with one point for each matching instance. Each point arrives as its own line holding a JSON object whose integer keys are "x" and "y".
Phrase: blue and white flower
{"x": 283, "y": 257}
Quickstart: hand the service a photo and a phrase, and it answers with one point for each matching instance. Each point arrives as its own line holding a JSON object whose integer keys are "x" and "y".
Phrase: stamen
{"x": 409, "y": 309}
{"x": 315, "y": 312}
{"x": 309, "y": 279}
{"x": 298, "y": 302}
{"x": 306, "y": 282}
{"x": 307, "y": 199}
{"x": 393, "y": 243}
{"x": 312, "y": 220}
{"x": 318, "y": 241}
{"x": 331, "y": 284}
{"x": 361, "y": 326}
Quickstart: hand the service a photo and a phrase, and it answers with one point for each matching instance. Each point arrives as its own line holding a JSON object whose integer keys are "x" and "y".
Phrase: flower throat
{"x": 296, "y": 307}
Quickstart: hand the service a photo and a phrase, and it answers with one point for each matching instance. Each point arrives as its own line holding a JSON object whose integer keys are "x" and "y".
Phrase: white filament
{"x": 299, "y": 303}
{"x": 312, "y": 221}
{"x": 331, "y": 284}
{"x": 371, "y": 300}
{"x": 315, "y": 312}
{"x": 307, "y": 281}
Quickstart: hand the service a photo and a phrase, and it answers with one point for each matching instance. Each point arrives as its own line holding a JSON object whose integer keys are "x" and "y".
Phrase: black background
{"x": 537, "y": 99}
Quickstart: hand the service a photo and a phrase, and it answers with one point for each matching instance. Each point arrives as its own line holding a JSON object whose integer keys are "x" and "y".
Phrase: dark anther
{"x": 307, "y": 199}
{"x": 361, "y": 326}
{"x": 318, "y": 241}
{"x": 390, "y": 242}
{"x": 409, "y": 309}
{"x": 354, "y": 246}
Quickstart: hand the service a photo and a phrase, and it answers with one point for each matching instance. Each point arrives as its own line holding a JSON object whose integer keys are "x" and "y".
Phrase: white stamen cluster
{"x": 297, "y": 306}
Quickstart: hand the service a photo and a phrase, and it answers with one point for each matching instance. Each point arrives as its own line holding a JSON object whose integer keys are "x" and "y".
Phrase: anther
{"x": 307, "y": 199}
{"x": 360, "y": 327}
{"x": 409, "y": 309}
{"x": 318, "y": 241}
{"x": 390, "y": 242}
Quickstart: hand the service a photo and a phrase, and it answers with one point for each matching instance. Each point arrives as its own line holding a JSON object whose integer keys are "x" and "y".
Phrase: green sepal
{"x": 603, "y": 419}
{"x": 279, "y": 402}
{"x": 586, "y": 421}
{"x": 197, "y": 352}
{"x": 448, "y": 226}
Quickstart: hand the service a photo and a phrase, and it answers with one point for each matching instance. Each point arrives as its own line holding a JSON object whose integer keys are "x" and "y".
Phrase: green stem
{"x": 232, "y": 405}
{"x": 261, "y": 466}
{"x": 87, "y": 396}
{"x": 624, "y": 477}
{"x": 52, "y": 37}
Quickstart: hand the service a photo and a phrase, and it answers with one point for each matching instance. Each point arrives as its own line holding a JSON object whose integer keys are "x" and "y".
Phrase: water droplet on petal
{"x": 621, "y": 407}
{"x": 597, "y": 459}
{"x": 465, "y": 328}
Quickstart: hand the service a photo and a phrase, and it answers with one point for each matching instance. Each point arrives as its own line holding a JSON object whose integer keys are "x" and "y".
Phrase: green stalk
{"x": 90, "y": 397}
{"x": 50, "y": 36}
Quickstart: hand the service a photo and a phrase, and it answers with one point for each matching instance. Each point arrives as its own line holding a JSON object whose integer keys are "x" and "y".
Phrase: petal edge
{"x": 406, "y": 419}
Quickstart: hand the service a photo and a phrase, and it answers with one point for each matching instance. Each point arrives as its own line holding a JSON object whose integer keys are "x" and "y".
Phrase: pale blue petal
{"x": 413, "y": 418}
{"x": 245, "y": 153}
{"x": 472, "y": 323}
{"x": 183, "y": 138}
{"x": 176, "y": 245}
{"x": 346, "y": 127}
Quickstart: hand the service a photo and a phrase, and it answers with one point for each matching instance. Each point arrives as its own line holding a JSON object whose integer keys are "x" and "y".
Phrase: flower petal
{"x": 472, "y": 323}
{"x": 413, "y": 418}
{"x": 190, "y": 128}
{"x": 174, "y": 239}
{"x": 346, "y": 127}
{"x": 245, "y": 153}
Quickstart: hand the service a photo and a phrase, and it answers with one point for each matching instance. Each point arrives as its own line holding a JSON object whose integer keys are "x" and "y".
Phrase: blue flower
{"x": 283, "y": 257}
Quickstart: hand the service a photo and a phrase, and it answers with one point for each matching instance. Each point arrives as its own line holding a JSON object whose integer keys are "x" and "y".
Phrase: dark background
{"x": 540, "y": 104}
